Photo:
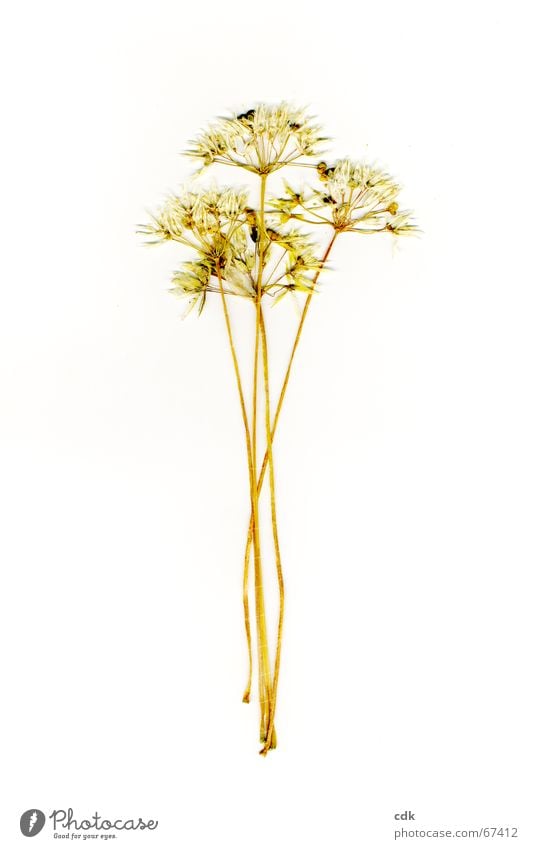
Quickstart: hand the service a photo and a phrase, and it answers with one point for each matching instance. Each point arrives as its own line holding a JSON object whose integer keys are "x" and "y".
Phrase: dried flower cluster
{"x": 262, "y": 139}
{"x": 261, "y": 249}
{"x": 353, "y": 197}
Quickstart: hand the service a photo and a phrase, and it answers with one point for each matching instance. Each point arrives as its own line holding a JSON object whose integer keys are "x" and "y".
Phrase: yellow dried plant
{"x": 263, "y": 250}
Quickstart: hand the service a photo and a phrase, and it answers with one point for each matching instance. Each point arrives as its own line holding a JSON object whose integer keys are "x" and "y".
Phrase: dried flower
{"x": 355, "y": 197}
{"x": 260, "y": 250}
{"x": 262, "y": 139}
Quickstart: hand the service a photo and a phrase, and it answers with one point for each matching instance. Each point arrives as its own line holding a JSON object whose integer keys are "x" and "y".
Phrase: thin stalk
{"x": 251, "y": 467}
{"x": 270, "y": 742}
{"x": 264, "y": 674}
{"x": 250, "y": 534}
{"x": 246, "y": 613}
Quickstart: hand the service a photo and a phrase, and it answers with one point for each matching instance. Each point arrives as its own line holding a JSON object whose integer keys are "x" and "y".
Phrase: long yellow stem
{"x": 251, "y": 467}
{"x": 250, "y": 534}
{"x": 264, "y": 674}
{"x": 246, "y": 610}
{"x": 270, "y": 742}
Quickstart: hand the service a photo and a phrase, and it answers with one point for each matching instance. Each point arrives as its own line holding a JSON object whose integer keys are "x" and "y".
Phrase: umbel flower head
{"x": 352, "y": 196}
{"x": 227, "y": 236}
{"x": 198, "y": 216}
{"x": 262, "y": 139}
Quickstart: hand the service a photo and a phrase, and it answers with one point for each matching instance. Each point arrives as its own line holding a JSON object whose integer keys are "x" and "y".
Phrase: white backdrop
{"x": 407, "y": 460}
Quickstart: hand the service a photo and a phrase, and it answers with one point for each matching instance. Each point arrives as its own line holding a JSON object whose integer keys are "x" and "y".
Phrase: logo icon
{"x": 32, "y": 821}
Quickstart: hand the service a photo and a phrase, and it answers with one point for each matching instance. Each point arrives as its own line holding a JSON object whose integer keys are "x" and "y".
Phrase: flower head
{"x": 262, "y": 139}
{"x": 354, "y": 196}
{"x": 207, "y": 219}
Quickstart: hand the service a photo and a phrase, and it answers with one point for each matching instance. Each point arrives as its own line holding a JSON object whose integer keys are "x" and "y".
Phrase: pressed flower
{"x": 354, "y": 196}
{"x": 262, "y": 249}
{"x": 261, "y": 139}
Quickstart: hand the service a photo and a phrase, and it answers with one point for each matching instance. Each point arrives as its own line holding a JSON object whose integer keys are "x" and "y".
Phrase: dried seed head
{"x": 261, "y": 139}
{"x": 356, "y": 196}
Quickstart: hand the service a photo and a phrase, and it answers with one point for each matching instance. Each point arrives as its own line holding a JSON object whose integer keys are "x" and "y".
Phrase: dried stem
{"x": 251, "y": 467}
{"x": 264, "y": 673}
{"x": 270, "y": 743}
{"x": 250, "y": 534}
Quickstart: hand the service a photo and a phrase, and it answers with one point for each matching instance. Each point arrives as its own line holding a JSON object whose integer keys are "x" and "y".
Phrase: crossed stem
{"x": 268, "y": 684}
{"x": 268, "y": 460}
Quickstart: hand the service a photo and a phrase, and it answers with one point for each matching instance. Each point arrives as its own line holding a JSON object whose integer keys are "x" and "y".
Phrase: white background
{"x": 407, "y": 460}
